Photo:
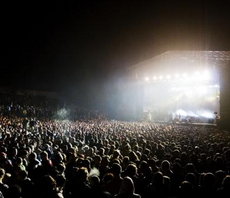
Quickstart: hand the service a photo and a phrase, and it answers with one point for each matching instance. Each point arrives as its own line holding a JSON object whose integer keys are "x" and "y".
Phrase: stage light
{"x": 192, "y": 114}
{"x": 184, "y": 75}
{"x": 176, "y": 76}
{"x": 197, "y": 73}
{"x": 189, "y": 93}
{"x": 197, "y": 76}
{"x": 206, "y": 75}
{"x": 168, "y": 77}
{"x": 207, "y": 114}
{"x": 201, "y": 90}
{"x": 181, "y": 112}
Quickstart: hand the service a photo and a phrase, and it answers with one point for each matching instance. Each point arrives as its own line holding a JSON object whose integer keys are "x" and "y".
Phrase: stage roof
{"x": 183, "y": 61}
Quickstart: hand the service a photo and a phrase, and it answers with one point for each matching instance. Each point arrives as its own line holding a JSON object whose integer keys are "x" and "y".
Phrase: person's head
{"x": 116, "y": 169}
{"x": 158, "y": 178}
{"x": 226, "y": 183}
{"x": 220, "y": 174}
{"x": 133, "y": 156}
{"x": 2, "y": 174}
{"x": 13, "y": 151}
{"x": 208, "y": 180}
{"x": 94, "y": 181}
{"x": 82, "y": 174}
{"x": 131, "y": 170}
{"x": 116, "y": 153}
{"x": 86, "y": 163}
{"x": 165, "y": 165}
{"x": 61, "y": 168}
{"x": 101, "y": 151}
{"x": 108, "y": 178}
{"x": 190, "y": 168}
{"x": 105, "y": 161}
{"x": 59, "y": 157}
{"x": 127, "y": 186}
{"x": 3, "y": 156}
{"x": 32, "y": 156}
{"x": 19, "y": 161}
{"x": 97, "y": 160}
{"x": 44, "y": 156}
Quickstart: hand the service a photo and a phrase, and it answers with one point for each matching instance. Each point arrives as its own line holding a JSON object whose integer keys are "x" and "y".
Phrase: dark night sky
{"x": 66, "y": 45}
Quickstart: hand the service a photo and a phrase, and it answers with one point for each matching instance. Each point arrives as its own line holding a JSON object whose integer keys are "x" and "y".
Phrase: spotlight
{"x": 176, "y": 76}
{"x": 160, "y": 77}
{"x": 154, "y": 78}
{"x": 168, "y": 77}
{"x": 197, "y": 76}
{"x": 206, "y": 75}
{"x": 146, "y": 79}
{"x": 184, "y": 75}
{"x": 207, "y": 114}
{"x": 202, "y": 90}
{"x": 181, "y": 112}
{"x": 197, "y": 73}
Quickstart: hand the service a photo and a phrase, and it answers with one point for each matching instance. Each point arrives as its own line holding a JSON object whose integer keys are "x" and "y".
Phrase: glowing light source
{"x": 168, "y": 77}
{"x": 176, "y": 76}
{"x": 207, "y": 114}
{"x": 197, "y": 73}
{"x": 188, "y": 95}
{"x": 197, "y": 76}
{"x": 184, "y": 75}
{"x": 160, "y": 77}
{"x": 181, "y": 112}
{"x": 206, "y": 75}
{"x": 202, "y": 90}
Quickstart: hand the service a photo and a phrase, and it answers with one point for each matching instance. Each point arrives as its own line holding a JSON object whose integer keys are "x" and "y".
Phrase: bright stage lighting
{"x": 192, "y": 114}
{"x": 181, "y": 112}
{"x": 193, "y": 77}
{"x": 207, "y": 114}
{"x": 202, "y": 90}
{"x": 184, "y": 75}
{"x": 176, "y": 76}
{"x": 197, "y": 73}
{"x": 188, "y": 94}
{"x": 168, "y": 77}
{"x": 206, "y": 75}
{"x": 197, "y": 76}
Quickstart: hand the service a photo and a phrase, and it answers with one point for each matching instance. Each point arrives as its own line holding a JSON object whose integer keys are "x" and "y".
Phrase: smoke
{"x": 63, "y": 114}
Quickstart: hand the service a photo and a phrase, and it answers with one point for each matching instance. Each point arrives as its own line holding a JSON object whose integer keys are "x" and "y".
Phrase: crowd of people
{"x": 48, "y": 158}
{"x": 41, "y": 107}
